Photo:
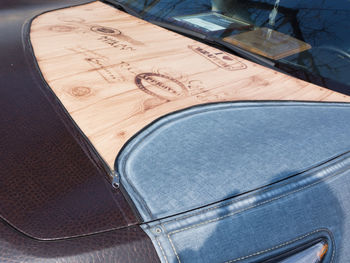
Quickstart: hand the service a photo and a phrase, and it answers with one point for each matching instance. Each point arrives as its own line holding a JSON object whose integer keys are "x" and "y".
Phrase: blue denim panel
{"x": 266, "y": 223}
{"x": 205, "y": 154}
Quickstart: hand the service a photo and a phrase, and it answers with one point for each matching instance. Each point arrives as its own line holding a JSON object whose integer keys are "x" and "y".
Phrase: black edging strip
{"x": 57, "y": 104}
{"x": 68, "y": 121}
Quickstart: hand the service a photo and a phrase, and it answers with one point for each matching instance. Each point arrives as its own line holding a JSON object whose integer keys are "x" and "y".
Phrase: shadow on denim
{"x": 243, "y": 237}
{"x": 263, "y": 224}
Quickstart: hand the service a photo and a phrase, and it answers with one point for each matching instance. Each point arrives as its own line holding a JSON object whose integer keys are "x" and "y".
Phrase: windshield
{"x": 308, "y": 39}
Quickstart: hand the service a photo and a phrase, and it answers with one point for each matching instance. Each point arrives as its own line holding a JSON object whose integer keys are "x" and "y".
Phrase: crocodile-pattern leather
{"x": 124, "y": 245}
{"x": 52, "y": 183}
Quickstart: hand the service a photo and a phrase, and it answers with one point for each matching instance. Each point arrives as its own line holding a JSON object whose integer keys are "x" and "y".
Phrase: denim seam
{"x": 162, "y": 250}
{"x": 286, "y": 244}
{"x": 218, "y": 206}
{"x": 242, "y": 210}
{"x": 257, "y": 205}
{"x": 239, "y": 199}
{"x": 270, "y": 249}
{"x": 174, "y": 249}
{"x": 140, "y": 199}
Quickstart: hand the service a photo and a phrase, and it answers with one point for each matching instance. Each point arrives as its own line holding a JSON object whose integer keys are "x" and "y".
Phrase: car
{"x": 174, "y": 131}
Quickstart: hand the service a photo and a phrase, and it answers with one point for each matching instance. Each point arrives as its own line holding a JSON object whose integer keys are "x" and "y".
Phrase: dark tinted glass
{"x": 323, "y": 25}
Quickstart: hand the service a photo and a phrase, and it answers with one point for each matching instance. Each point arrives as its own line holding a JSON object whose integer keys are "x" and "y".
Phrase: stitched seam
{"x": 141, "y": 200}
{"x": 218, "y": 206}
{"x": 235, "y": 200}
{"x": 248, "y": 208}
{"x": 285, "y": 244}
{"x": 172, "y": 245}
{"x": 162, "y": 250}
{"x": 221, "y": 205}
{"x": 136, "y": 192}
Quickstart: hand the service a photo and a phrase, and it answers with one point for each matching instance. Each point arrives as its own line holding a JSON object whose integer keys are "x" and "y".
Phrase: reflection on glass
{"x": 323, "y": 25}
{"x": 214, "y": 22}
{"x": 268, "y": 43}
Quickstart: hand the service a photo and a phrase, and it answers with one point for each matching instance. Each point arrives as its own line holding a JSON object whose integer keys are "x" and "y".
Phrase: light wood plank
{"x": 115, "y": 73}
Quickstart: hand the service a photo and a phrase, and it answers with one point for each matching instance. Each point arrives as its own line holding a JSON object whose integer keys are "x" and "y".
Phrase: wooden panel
{"x": 115, "y": 73}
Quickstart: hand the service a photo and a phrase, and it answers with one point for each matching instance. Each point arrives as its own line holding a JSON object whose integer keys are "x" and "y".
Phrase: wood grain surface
{"x": 115, "y": 73}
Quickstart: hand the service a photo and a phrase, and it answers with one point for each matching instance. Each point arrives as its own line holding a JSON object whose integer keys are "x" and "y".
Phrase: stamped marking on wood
{"x": 113, "y": 32}
{"x": 99, "y": 63}
{"x": 169, "y": 85}
{"x": 116, "y": 43}
{"x": 112, "y": 36}
{"x": 105, "y": 30}
{"x": 221, "y": 59}
{"x": 161, "y": 86}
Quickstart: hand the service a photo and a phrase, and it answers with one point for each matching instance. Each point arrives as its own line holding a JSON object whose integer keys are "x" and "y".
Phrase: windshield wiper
{"x": 181, "y": 30}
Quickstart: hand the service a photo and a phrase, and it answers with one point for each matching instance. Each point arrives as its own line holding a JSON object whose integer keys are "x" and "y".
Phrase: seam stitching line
{"x": 242, "y": 210}
{"x": 260, "y": 204}
{"x": 161, "y": 248}
{"x": 234, "y": 201}
{"x": 173, "y": 246}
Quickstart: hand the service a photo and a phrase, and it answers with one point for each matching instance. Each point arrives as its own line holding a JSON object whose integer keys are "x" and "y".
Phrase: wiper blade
{"x": 181, "y": 30}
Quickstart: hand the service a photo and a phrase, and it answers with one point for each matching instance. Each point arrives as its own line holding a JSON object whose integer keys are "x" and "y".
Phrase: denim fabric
{"x": 208, "y": 153}
{"x": 309, "y": 255}
{"x": 266, "y": 223}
